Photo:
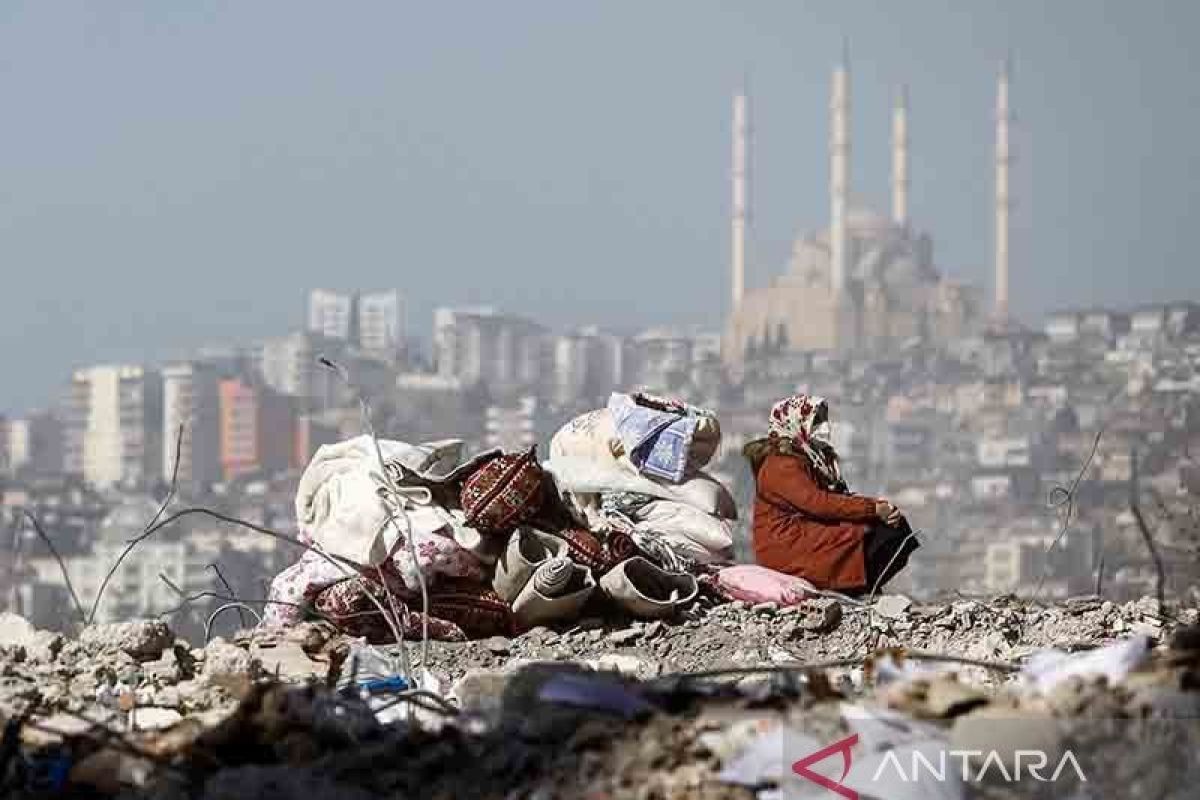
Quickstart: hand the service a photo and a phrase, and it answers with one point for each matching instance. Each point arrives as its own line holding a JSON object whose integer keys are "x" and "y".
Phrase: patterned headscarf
{"x": 794, "y": 419}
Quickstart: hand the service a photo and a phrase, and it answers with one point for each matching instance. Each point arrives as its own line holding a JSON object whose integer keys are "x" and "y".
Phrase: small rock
{"x": 821, "y": 616}
{"x": 654, "y": 629}
{"x": 498, "y": 646}
{"x": 38, "y": 646}
{"x": 223, "y": 660}
{"x": 155, "y": 719}
{"x": 289, "y": 661}
{"x": 595, "y": 635}
{"x": 480, "y": 690}
{"x": 892, "y": 606}
{"x": 1080, "y": 605}
{"x": 541, "y": 635}
{"x": 767, "y": 609}
{"x": 626, "y": 665}
{"x": 624, "y": 637}
{"x": 145, "y": 640}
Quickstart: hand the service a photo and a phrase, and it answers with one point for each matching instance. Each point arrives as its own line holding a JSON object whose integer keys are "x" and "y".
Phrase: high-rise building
{"x": 661, "y": 359}
{"x": 501, "y": 351}
{"x": 191, "y": 400}
{"x": 257, "y": 429}
{"x": 588, "y": 365}
{"x": 34, "y": 444}
{"x": 113, "y": 425}
{"x": 381, "y": 322}
{"x": 330, "y": 314}
{"x": 373, "y": 321}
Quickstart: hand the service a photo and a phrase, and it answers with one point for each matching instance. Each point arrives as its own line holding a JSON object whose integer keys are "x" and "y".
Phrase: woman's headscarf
{"x": 794, "y": 419}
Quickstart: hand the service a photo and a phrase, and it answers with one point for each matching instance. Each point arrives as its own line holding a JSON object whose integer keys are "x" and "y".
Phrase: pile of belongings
{"x": 636, "y": 466}
{"x": 498, "y": 543}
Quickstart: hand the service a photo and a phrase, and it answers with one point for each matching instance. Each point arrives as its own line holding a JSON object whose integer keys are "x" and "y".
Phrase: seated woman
{"x": 806, "y": 521}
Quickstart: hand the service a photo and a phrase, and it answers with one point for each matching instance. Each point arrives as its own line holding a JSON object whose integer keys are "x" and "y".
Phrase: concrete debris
{"x": 145, "y": 640}
{"x": 253, "y": 716}
{"x": 892, "y": 606}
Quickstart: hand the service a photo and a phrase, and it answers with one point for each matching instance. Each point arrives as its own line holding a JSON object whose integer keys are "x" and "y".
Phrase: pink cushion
{"x": 755, "y": 584}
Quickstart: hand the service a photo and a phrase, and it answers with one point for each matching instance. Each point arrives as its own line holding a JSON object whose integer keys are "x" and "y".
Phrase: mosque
{"x": 869, "y": 282}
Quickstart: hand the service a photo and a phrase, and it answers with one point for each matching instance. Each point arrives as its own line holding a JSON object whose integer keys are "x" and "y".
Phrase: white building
{"x": 191, "y": 399}
{"x": 587, "y": 364}
{"x": 661, "y": 359}
{"x": 480, "y": 345}
{"x": 34, "y": 444}
{"x": 113, "y": 425}
{"x": 381, "y": 322}
{"x": 288, "y": 364}
{"x": 330, "y": 313}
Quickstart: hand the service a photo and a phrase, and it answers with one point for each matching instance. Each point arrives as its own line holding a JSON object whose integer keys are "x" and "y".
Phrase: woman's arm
{"x": 785, "y": 481}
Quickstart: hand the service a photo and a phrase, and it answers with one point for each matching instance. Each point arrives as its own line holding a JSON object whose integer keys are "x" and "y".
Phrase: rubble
{"x": 130, "y": 710}
{"x": 144, "y": 640}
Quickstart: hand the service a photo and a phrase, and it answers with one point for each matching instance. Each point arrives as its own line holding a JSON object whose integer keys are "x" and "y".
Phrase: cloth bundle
{"x": 663, "y": 438}
{"x": 360, "y": 533}
{"x": 635, "y": 466}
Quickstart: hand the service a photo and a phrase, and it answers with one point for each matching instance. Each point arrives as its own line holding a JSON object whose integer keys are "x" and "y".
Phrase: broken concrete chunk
{"x": 892, "y": 606}
{"x": 144, "y": 640}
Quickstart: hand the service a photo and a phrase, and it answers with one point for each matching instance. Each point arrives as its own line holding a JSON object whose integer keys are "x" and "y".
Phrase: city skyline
{"x": 152, "y": 211}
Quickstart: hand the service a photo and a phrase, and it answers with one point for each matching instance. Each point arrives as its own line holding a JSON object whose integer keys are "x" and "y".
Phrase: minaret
{"x": 740, "y": 124}
{"x": 1003, "y": 199}
{"x": 839, "y": 163}
{"x": 900, "y": 158}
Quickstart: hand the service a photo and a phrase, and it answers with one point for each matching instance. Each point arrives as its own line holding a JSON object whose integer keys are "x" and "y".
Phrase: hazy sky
{"x": 180, "y": 173}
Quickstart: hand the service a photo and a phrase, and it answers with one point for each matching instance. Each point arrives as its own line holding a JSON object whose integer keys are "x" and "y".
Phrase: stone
{"x": 821, "y": 616}
{"x": 145, "y": 640}
{"x": 624, "y": 637}
{"x": 498, "y": 646}
{"x": 653, "y": 630}
{"x": 224, "y": 660}
{"x": 541, "y": 635}
{"x": 154, "y": 719}
{"x": 480, "y": 691}
{"x": 892, "y": 606}
{"x": 767, "y": 609}
{"x": 38, "y": 646}
{"x": 631, "y": 666}
{"x": 289, "y": 661}
{"x": 1082, "y": 604}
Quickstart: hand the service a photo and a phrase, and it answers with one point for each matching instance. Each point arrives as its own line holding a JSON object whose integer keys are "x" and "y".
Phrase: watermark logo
{"x": 842, "y": 746}
{"x": 913, "y": 765}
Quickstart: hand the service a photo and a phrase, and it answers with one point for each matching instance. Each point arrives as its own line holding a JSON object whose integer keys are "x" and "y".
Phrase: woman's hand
{"x": 888, "y": 514}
